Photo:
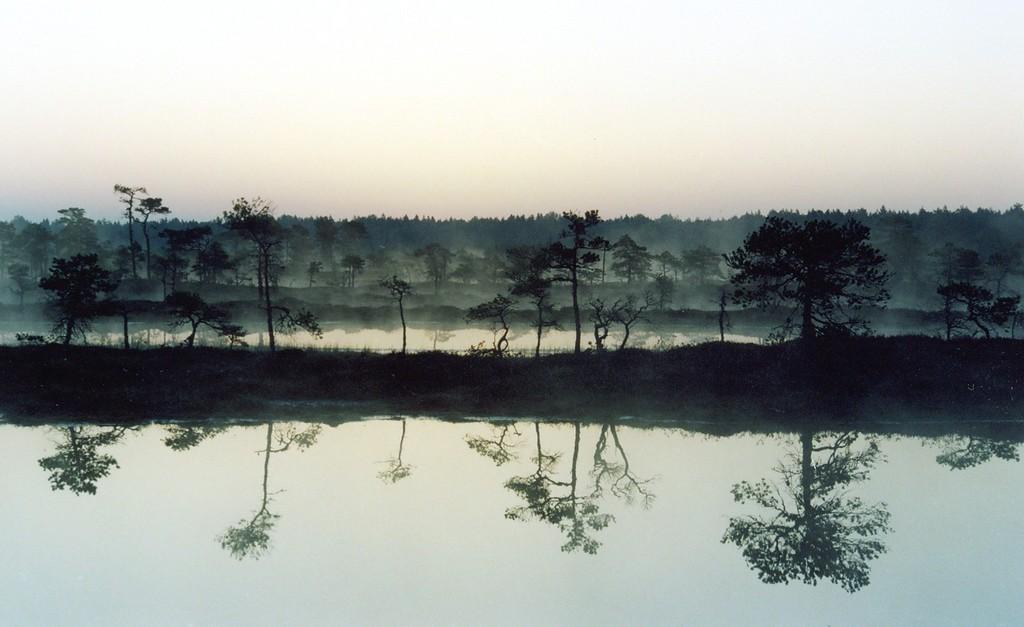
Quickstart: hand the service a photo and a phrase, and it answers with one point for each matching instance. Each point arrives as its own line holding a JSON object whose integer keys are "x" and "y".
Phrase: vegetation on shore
{"x": 829, "y": 379}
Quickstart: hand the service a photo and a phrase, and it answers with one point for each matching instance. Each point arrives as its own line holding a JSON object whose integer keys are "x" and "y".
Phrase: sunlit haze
{"x": 463, "y": 108}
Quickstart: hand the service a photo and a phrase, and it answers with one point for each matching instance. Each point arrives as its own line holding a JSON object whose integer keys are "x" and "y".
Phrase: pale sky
{"x": 475, "y": 107}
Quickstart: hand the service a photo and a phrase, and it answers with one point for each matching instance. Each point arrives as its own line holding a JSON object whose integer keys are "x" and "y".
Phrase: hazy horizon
{"x": 460, "y": 109}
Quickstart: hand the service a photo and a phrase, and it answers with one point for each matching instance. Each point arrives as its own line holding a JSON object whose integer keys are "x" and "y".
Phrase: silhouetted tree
{"x": 630, "y": 311}
{"x": 254, "y": 220}
{"x": 602, "y": 316}
{"x": 527, "y": 268}
{"x": 667, "y": 262}
{"x": 723, "y": 315}
{"x": 123, "y": 259}
{"x": 827, "y": 271}
{"x": 169, "y": 268}
{"x": 75, "y": 285}
{"x": 665, "y": 288}
{"x": 353, "y": 265}
{"x": 33, "y": 246}
{"x": 148, "y": 207}
{"x": 496, "y": 311}
{"x": 815, "y": 530}
{"x": 211, "y": 261}
{"x": 325, "y": 232}
{"x": 8, "y": 236}
{"x": 353, "y": 233}
{"x": 945, "y": 262}
{"x": 189, "y": 309}
{"x": 903, "y": 248}
{"x": 630, "y": 259}
{"x": 435, "y": 261}
{"x": 701, "y": 263}
{"x": 180, "y": 244}
{"x": 570, "y": 260}
{"x": 127, "y": 196}
{"x": 398, "y": 289}
{"x": 314, "y": 268}
{"x": 20, "y": 281}
{"x": 1004, "y": 263}
{"x": 980, "y": 308}
{"x": 78, "y": 233}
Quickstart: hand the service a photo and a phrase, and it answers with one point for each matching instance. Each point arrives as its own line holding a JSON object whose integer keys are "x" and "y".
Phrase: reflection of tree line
{"x": 811, "y": 528}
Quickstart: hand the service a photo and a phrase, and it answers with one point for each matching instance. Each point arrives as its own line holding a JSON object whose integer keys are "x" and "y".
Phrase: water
{"x": 418, "y": 338}
{"x": 419, "y": 521}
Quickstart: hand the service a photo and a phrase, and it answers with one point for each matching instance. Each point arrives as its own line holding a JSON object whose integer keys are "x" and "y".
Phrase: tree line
{"x": 823, "y": 274}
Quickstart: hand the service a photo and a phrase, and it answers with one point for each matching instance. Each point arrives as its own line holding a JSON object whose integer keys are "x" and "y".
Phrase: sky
{"x": 466, "y": 108}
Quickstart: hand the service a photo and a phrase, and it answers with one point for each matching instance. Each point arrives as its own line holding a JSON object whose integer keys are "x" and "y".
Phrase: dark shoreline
{"x": 831, "y": 381}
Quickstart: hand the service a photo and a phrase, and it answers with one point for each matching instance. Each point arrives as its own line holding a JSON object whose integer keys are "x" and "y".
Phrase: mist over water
{"x": 387, "y": 340}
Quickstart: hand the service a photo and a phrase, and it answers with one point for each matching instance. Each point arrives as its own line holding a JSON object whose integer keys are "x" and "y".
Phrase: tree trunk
{"x": 259, "y": 276}
{"x": 131, "y": 240}
{"x": 540, "y": 328}
{"x": 266, "y": 300}
{"x": 806, "y": 471}
{"x": 807, "y": 331}
{"x": 502, "y": 343}
{"x": 574, "y": 284}
{"x": 145, "y": 234}
{"x": 401, "y": 314}
{"x": 625, "y": 338}
{"x": 947, "y": 317}
{"x": 124, "y": 321}
{"x": 68, "y": 331}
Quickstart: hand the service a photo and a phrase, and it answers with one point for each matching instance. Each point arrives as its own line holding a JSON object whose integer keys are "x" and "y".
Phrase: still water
{"x": 418, "y": 521}
{"x": 418, "y": 338}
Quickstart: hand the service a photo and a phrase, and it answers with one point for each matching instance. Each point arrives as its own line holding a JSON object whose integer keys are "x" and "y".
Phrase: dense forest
{"x": 635, "y": 266}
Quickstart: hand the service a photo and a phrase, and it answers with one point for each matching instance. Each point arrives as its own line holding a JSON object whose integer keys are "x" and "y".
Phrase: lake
{"x": 388, "y": 521}
{"x": 457, "y": 339}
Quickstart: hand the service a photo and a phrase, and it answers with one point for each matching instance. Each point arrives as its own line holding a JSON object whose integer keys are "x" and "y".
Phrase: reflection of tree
{"x": 396, "y": 470}
{"x": 575, "y": 515}
{"x": 77, "y": 464}
{"x": 496, "y": 448}
{"x": 817, "y": 530}
{"x": 960, "y": 452}
{"x": 251, "y": 538}
{"x": 182, "y": 438}
{"x": 616, "y": 476}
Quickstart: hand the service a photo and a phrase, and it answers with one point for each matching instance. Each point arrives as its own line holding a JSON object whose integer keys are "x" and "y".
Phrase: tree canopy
{"x": 824, "y": 270}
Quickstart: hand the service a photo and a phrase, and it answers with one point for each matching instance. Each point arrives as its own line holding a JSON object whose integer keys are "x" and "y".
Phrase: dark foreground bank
{"x": 852, "y": 378}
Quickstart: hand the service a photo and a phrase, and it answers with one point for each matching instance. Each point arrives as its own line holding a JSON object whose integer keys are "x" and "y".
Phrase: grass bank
{"x": 852, "y": 378}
